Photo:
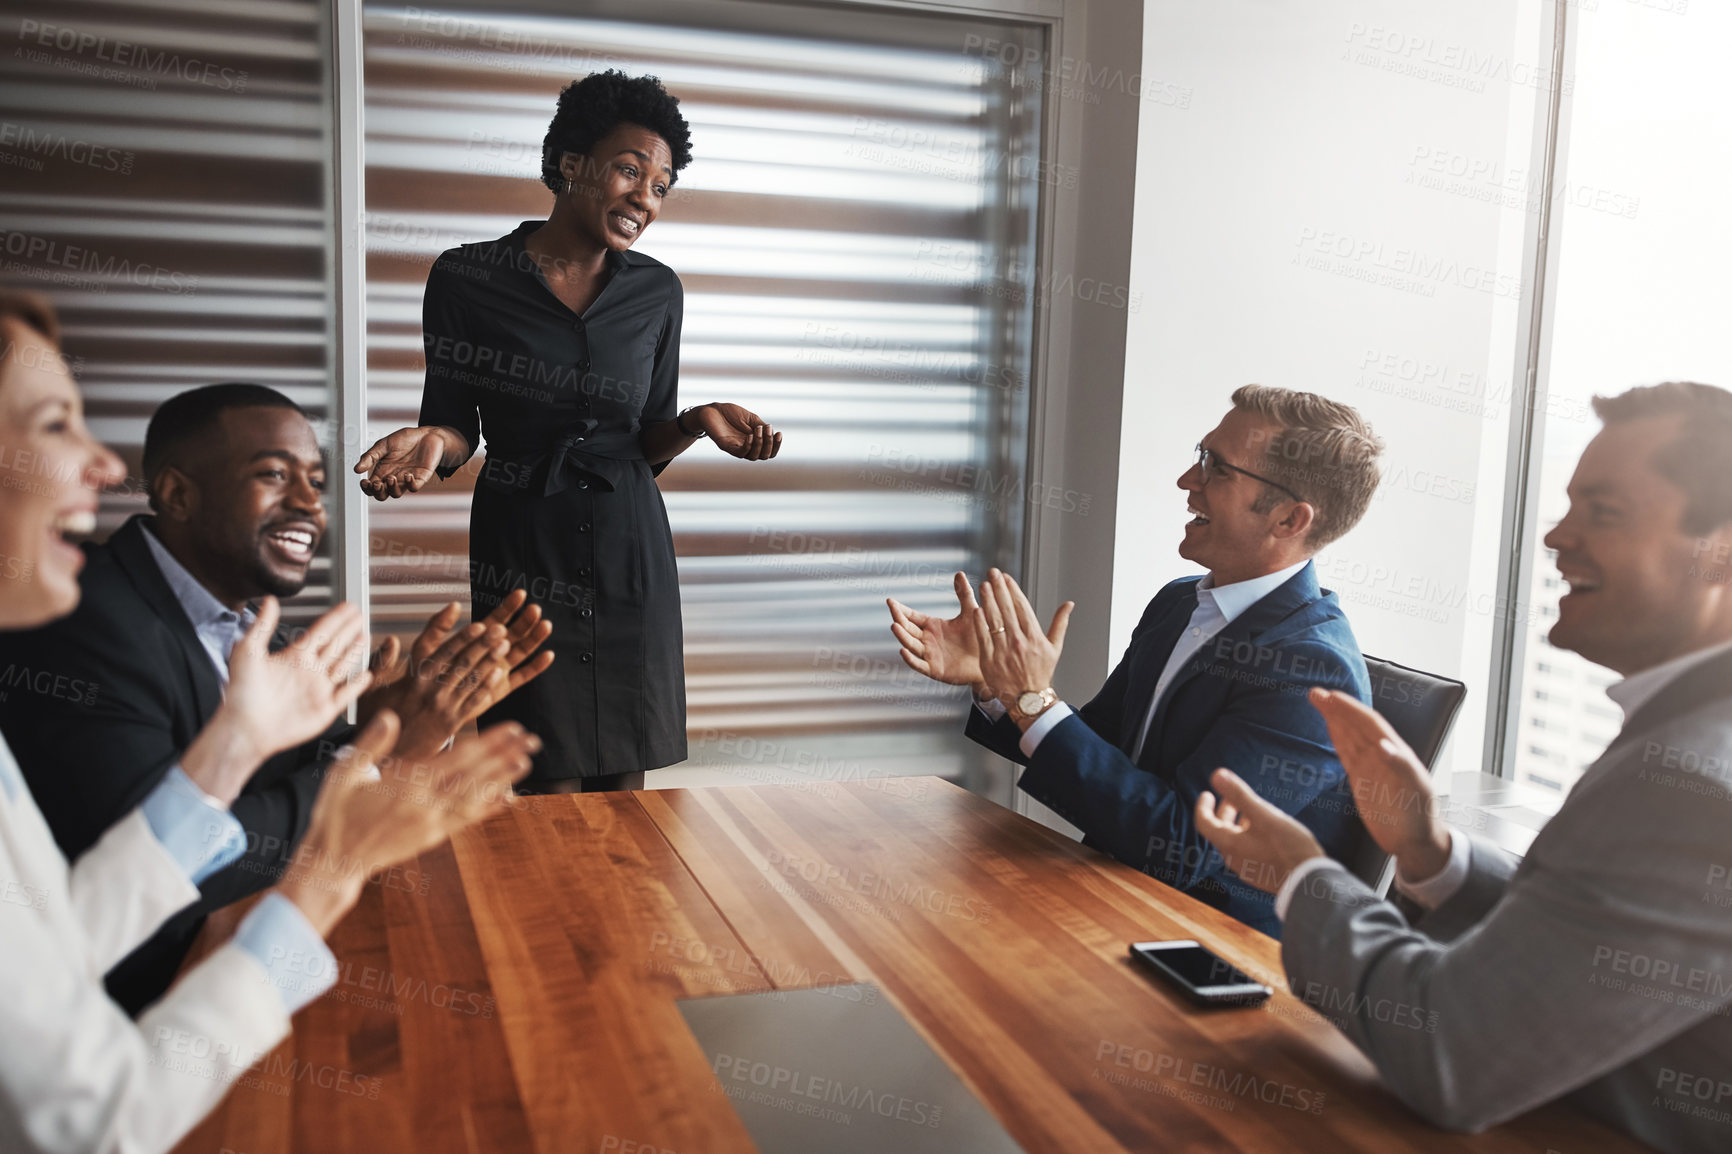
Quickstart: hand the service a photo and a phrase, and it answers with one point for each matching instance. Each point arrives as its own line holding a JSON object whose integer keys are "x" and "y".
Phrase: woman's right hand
{"x": 404, "y": 461}
{"x": 365, "y": 822}
{"x": 276, "y": 701}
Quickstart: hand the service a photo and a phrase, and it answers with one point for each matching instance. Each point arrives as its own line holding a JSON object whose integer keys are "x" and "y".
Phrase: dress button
{"x": 583, "y": 572}
{"x": 586, "y": 613}
{"x": 582, "y": 484}
{"x": 586, "y": 658}
{"x": 1194, "y": 632}
{"x": 584, "y": 528}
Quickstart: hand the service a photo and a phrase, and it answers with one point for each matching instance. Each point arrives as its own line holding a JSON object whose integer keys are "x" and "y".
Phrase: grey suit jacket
{"x": 1599, "y": 968}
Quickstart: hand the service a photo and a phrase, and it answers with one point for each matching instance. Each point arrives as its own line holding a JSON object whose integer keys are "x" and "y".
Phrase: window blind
{"x": 855, "y": 239}
{"x": 164, "y": 176}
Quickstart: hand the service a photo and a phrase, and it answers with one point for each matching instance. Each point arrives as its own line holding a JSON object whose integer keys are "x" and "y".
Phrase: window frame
{"x": 1517, "y": 556}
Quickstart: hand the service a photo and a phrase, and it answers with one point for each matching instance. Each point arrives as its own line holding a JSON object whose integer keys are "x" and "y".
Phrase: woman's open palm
{"x": 401, "y": 462}
{"x": 739, "y": 432}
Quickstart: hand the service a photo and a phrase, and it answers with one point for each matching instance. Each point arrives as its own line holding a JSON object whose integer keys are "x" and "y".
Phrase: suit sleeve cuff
{"x": 1043, "y": 725}
{"x": 299, "y": 963}
{"x": 196, "y": 829}
{"x": 1284, "y": 896}
{"x": 1446, "y": 882}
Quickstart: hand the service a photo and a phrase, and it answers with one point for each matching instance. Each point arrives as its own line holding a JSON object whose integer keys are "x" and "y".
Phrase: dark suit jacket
{"x": 98, "y": 706}
{"x": 1239, "y": 702}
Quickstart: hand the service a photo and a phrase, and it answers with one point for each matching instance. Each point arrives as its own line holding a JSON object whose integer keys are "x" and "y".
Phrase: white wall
{"x": 1340, "y": 208}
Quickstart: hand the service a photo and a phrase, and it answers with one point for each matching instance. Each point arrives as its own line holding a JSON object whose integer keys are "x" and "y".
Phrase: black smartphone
{"x": 1201, "y": 976}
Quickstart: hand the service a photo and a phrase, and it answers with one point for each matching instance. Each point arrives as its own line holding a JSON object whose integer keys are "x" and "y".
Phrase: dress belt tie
{"x": 576, "y": 454}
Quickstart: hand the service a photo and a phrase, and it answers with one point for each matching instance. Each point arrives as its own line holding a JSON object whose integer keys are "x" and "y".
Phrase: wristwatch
{"x": 680, "y": 423}
{"x": 1032, "y": 703}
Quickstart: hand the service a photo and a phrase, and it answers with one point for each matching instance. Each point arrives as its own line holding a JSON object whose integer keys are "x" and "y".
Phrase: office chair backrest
{"x": 1421, "y": 707}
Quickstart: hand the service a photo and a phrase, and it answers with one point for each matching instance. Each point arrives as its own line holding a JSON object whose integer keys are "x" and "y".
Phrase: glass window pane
{"x": 1640, "y": 299}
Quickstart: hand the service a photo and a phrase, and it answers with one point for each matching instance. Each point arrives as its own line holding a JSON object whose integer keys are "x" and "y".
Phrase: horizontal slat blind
{"x": 164, "y": 178}
{"x": 854, "y": 239}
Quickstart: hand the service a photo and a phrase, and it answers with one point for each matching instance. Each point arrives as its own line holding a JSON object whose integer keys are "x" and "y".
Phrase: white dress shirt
{"x": 1218, "y": 606}
{"x": 1630, "y": 695}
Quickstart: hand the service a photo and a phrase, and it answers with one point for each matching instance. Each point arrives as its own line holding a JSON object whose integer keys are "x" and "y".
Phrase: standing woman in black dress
{"x": 562, "y": 347}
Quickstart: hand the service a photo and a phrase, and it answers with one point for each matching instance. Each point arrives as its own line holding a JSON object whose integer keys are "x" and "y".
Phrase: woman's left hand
{"x": 738, "y": 432}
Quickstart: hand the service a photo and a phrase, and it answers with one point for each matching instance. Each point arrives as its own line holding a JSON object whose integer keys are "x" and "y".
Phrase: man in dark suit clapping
{"x": 1216, "y": 670}
{"x": 99, "y": 705}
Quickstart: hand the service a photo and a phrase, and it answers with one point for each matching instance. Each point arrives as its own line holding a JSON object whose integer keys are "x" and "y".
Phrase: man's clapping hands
{"x": 276, "y": 701}
{"x": 451, "y": 676}
{"x": 361, "y": 821}
{"x": 995, "y": 645}
{"x": 1390, "y": 786}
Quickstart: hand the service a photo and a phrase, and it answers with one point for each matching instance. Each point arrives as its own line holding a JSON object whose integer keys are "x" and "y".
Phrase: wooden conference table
{"x": 515, "y": 991}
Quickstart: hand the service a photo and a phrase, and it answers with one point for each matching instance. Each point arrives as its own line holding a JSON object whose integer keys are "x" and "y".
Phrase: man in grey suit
{"x": 1600, "y": 966}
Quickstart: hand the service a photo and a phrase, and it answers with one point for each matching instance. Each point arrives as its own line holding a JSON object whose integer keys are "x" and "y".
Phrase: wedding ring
{"x": 1000, "y": 629}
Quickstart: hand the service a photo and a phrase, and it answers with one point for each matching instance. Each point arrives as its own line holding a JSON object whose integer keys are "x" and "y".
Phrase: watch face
{"x": 1028, "y": 702}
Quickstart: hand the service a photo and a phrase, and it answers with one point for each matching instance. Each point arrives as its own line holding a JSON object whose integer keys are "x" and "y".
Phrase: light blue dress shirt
{"x": 299, "y": 964}
{"x": 196, "y": 829}
{"x": 11, "y": 781}
{"x": 218, "y": 627}
{"x": 190, "y": 823}
{"x": 202, "y": 836}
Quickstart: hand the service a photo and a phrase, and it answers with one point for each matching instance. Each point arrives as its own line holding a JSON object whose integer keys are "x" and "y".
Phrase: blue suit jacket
{"x": 1239, "y": 702}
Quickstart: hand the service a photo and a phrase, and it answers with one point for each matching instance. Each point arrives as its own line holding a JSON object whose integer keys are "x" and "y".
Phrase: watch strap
{"x": 680, "y": 423}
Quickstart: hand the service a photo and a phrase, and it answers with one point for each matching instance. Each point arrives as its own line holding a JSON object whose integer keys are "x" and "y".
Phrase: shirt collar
{"x": 1638, "y": 689}
{"x": 201, "y": 606}
{"x": 1232, "y": 600}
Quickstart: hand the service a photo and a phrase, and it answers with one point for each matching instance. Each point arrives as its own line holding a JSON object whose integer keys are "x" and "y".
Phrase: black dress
{"x": 566, "y": 505}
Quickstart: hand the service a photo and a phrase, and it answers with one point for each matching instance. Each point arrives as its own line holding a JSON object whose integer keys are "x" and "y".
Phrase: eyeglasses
{"x": 1208, "y": 457}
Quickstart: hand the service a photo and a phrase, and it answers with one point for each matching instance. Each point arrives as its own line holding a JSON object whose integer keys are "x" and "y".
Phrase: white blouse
{"x": 76, "y": 1074}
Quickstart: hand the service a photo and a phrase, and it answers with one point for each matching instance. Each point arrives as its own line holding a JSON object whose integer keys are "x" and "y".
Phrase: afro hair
{"x": 591, "y": 108}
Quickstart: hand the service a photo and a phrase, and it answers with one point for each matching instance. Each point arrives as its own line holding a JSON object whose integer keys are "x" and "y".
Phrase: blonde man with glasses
{"x": 1216, "y": 671}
